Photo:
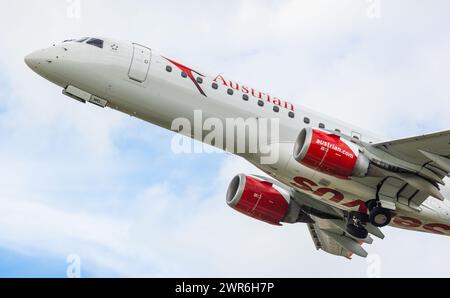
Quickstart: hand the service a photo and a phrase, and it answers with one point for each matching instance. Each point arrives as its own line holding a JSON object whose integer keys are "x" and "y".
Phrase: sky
{"x": 80, "y": 181}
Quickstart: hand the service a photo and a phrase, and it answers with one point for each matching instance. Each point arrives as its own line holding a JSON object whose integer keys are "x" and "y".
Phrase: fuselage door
{"x": 140, "y": 63}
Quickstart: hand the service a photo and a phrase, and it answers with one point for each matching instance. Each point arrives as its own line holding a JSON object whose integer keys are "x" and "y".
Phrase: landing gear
{"x": 378, "y": 216}
{"x": 355, "y": 225}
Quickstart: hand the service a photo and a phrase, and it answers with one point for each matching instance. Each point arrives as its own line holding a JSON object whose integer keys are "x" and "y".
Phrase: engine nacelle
{"x": 261, "y": 200}
{"x": 330, "y": 154}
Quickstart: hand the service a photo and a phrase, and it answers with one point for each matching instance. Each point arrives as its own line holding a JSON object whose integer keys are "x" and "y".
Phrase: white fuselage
{"x": 165, "y": 95}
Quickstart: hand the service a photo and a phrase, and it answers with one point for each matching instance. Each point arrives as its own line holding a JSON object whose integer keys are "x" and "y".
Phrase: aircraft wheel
{"x": 358, "y": 217}
{"x": 357, "y": 231}
{"x": 355, "y": 225}
{"x": 371, "y": 204}
{"x": 380, "y": 217}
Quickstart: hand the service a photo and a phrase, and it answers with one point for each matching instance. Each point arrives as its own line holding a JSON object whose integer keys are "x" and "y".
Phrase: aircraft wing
{"x": 429, "y": 154}
{"x": 328, "y": 229}
{"x": 329, "y": 235}
{"x": 431, "y": 151}
{"x": 324, "y": 242}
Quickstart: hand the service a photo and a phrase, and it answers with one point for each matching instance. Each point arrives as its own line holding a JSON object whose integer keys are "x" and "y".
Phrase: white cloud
{"x": 163, "y": 233}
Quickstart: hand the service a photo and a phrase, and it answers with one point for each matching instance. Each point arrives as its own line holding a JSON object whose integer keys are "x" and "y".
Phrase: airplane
{"x": 343, "y": 182}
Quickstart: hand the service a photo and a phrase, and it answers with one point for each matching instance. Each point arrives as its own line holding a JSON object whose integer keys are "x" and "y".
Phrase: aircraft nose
{"x": 34, "y": 59}
{"x": 50, "y": 63}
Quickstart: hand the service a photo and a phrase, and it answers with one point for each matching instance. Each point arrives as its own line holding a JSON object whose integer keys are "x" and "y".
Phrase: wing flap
{"x": 323, "y": 242}
{"x": 429, "y": 160}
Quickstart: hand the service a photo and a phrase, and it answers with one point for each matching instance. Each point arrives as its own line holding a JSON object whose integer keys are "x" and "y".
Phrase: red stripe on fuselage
{"x": 190, "y": 74}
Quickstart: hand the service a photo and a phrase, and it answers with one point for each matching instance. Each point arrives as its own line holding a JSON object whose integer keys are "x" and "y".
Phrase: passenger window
{"x": 291, "y": 115}
{"x": 276, "y": 109}
{"x": 169, "y": 68}
{"x": 183, "y": 74}
{"x": 96, "y": 42}
{"x": 215, "y": 86}
{"x": 337, "y": 130}
{"x": 245, "y": 97}
{"x": 230, "y": 91}
{"x": 306, "y": 120}
{"x": 260, "y": 103}
{"x": 322, "y": 126}
{"x": 199, "y": 80}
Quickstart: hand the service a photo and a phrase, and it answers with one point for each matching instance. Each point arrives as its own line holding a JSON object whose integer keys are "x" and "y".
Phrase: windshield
{"x": 96, "y": 42}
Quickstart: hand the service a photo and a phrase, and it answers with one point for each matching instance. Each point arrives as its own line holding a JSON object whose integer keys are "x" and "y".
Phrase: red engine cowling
{"x": 329, "y": 154}
{"x": 258, "y": 199}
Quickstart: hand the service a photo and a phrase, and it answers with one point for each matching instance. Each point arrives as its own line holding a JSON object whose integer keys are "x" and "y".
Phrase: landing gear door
{"x": 140, "y": 63}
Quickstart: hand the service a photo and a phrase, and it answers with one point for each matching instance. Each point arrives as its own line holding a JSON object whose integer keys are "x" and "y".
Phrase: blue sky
{"x": 80, "y": 180}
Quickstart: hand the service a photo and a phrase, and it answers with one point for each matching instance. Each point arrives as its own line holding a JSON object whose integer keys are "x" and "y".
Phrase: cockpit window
{"x": 82, "y": 39}
{"x": 96, "y": 42}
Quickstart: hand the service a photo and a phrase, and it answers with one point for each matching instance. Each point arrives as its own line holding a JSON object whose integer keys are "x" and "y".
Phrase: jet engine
{"x": 330, "y": 154}
{"x": 262, "y": 200}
